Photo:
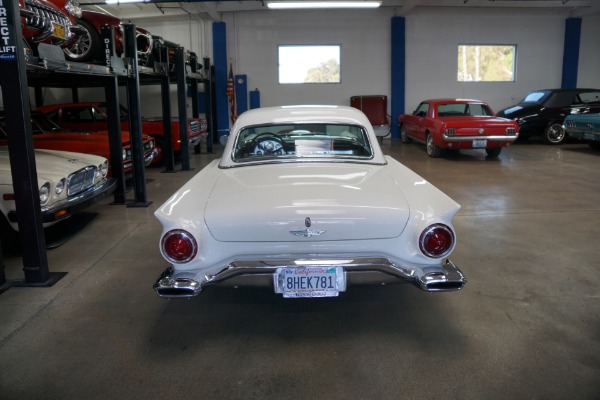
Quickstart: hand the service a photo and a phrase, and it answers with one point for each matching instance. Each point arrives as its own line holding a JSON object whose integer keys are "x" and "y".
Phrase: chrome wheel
{"x": 554, "y": 134}
{"x": 87, "y": 45}
{"x": 403, "y": 136}
{"x": 432, "y": 150}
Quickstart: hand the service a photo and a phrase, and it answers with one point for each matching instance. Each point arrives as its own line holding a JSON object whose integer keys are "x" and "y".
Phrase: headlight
{"x": 104, "y": 168}
{"x": 73, "y": 8}
{"x": 44, "y": 193}
{"x": 60, "y": 186}
{"x": 436, "y": 241}
{"x": 179, "y": 246}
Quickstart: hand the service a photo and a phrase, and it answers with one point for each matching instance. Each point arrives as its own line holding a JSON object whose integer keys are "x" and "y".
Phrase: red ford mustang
{"x": 92, "y": 117}
{"x": 457, "y": 124}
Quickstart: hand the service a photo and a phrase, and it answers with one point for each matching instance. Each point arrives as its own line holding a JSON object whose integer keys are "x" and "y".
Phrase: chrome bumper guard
{"x": 498, "y": 138}
{"x": 182, "y": 284}
{"x": 148, "y": 159}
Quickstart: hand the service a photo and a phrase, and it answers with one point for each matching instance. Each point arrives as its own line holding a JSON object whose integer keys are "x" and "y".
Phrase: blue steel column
{"x": 571, "y": 53}
{"x": 220, "y": 65}
{"x": 241, "y": 93}
{"x": 398, "y": 71}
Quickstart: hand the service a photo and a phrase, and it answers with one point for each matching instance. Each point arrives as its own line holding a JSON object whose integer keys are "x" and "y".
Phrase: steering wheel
{"x": 267, "y": 143}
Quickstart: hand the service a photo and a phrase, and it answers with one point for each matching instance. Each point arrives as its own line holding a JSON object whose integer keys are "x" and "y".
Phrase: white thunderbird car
{"x": 304, "y": 201}
{"x": 67, "y": 182}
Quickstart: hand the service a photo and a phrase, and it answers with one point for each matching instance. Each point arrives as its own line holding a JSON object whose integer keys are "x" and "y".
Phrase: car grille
{"x": 511, "y": 131}
{"x": 194, "y": 127}
{"x": 44, "y": 16}
{"x": 81, "y": 180}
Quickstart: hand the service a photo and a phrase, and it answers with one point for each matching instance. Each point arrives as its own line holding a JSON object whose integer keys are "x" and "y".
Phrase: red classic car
{"x": 89, "y": 47}
{"x": 44, "y": 22}
{"x": 92, "y": 116}
{"x": 48, "y": 135}
{"x": 457, "y": 124}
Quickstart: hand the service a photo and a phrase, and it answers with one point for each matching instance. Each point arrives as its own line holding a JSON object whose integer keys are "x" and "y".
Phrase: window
{"x": 486, "y": 63}
{"x": 309, "y": 64}
{"x": 463, "y": 109}
{"x": 302, "y": 140}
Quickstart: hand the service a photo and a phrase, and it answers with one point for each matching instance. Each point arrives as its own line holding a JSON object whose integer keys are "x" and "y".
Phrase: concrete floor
{"x": 526, "y": 326}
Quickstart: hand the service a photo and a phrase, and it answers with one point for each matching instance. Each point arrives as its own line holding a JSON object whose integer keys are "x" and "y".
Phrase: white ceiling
{"x": 212, "y": 9}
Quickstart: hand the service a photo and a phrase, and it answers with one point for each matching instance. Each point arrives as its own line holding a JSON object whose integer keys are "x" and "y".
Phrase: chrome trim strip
{"x": 182, "y": 284}
{"x": 505, "y": 138}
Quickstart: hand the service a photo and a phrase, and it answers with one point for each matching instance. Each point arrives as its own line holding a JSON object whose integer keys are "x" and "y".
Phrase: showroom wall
{"x": 432, "y": 36}
{"x": 364, "y": 36}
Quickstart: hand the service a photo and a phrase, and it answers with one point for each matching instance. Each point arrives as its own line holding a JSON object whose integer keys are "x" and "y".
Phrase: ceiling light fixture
{"x": 124, "y": 1}
{"x": 288, "y": 5}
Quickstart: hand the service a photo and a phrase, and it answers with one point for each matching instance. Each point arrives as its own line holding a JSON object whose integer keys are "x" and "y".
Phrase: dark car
{"x": 542, "y": 112}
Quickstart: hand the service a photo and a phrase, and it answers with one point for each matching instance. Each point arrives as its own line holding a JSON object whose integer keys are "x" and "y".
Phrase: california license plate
{"x": 479, "y": 143}
{"x": 59, "y": 31}
{"x": 310, "y": 281}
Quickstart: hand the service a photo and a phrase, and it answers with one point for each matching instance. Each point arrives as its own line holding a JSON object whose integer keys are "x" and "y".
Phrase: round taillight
{"x": 179, "y": 246}
{"x": 436, "y": 241}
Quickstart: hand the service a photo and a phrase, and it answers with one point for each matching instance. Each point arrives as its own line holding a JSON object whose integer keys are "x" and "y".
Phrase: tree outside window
{"x": 486, "y": 63}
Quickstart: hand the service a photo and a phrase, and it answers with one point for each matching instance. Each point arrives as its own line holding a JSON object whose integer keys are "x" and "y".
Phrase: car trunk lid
{"x": 312, "y": 202}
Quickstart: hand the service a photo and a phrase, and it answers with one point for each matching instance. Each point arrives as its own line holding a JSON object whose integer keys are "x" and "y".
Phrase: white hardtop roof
{"x": 302, "y": 114}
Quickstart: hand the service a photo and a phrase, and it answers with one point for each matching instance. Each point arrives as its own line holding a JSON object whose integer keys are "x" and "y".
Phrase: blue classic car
{"x": 586, "y": 127}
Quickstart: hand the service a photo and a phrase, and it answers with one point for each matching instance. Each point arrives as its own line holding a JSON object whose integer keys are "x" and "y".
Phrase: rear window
{"x": 463, "y": 109}
{"x": 298, "y": 141}
{"x": 534, "y": 97}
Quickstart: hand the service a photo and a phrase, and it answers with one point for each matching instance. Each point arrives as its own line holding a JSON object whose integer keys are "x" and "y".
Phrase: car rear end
{"x": 478, "y": 132}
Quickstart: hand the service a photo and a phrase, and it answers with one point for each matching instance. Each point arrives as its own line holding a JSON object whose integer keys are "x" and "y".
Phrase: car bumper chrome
{"x": 66, "y": 208}
{"x": 496, "y": 138}
{"x": 148, "y": 159}
{"x": 180, "y": 284}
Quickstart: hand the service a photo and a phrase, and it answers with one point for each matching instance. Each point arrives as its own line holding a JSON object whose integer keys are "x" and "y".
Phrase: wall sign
{"x": 8, "y": 48}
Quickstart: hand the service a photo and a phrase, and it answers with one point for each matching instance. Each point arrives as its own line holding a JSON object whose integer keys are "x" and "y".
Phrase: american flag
{"x": 231, "y": 96}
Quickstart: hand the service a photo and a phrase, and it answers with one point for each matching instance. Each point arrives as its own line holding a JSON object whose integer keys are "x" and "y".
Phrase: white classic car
{"x": 304, "y": 201}
{"x": 67, "y": 182}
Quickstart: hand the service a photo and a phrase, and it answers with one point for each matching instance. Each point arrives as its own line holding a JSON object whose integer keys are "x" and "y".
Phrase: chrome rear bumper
{"x": 173, "y": 284}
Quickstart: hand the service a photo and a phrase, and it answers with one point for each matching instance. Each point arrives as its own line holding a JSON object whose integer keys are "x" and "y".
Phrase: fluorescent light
{"x": 124, "y": 1}
{"x": 286, "y": 5}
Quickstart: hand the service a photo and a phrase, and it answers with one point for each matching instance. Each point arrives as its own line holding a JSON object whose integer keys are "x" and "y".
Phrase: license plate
{"x": 59, "y": 31}
{"x": 479, "y": 143}
{"x": 295, "y": 282}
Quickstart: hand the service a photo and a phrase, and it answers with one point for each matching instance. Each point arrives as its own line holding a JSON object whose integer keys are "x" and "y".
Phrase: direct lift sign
{"x": 8, "y": 49}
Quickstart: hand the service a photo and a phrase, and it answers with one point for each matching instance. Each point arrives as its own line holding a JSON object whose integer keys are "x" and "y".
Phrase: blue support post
{"x": 571, "y": 53}
{"x": 398, "y": 71}
{"x": 220, "y": 67}
{"x": 254, "y": 99}
{"x": 241, "y": 93}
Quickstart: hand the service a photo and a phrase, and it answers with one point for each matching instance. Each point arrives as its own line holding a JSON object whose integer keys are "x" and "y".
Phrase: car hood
{"x": 313, "y": 202}
{"x": 51, "y": 164}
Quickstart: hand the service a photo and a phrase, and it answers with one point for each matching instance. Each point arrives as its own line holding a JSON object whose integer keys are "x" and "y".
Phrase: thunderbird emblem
{"x": 307, "y": 232}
